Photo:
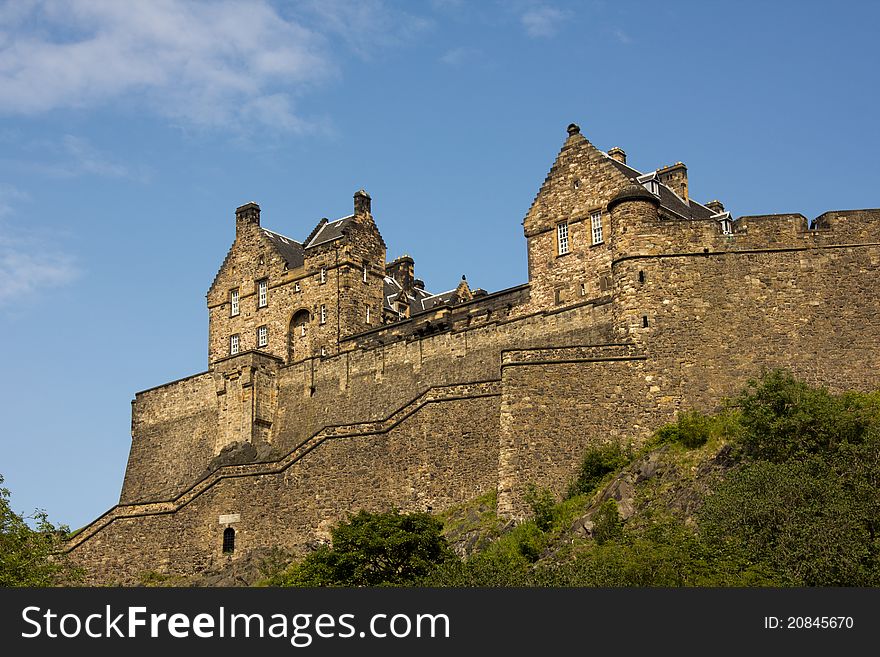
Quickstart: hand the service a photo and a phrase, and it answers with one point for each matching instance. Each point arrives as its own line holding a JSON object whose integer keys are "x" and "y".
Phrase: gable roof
{"x": 289, "y": 249}
{"x": 669, "y": 200}
{"x": 332, "y": 230}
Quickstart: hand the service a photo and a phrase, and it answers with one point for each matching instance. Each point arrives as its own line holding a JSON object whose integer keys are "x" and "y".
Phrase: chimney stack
{"x": 675, "y": 177}
{"x": 249, "y": 213}
{"x": 361, "y": 202}
{"x": 618, "y": 154}
{"x": 715, "y": 206}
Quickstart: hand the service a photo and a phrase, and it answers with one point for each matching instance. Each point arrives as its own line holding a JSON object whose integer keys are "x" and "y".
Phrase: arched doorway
{"x": 298, "y": 335}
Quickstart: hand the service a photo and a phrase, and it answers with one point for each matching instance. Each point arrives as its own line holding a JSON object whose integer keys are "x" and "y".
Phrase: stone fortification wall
{"x": 439, "y": 450}
{"x": 173, "y": 431}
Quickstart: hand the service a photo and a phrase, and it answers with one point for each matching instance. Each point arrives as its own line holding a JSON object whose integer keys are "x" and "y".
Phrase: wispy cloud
{"x": 459, "y": 56}
{"x": 71, "y": 157}
{"x": 622, "y": 36}
{"x": 27, "y": 263}
{"x": 215, "y": 64}
{"x": 543, "y": 21}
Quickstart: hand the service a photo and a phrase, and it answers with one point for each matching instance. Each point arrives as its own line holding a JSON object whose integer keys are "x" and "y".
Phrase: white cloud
{"x": 622, "y": 36}
{"x": 72, "y": 157}
{"x": 27, "y": 263}
{"x": 216, "y": 64}
{"x": 543, "y": 21}
{"x": 459, "y": 56}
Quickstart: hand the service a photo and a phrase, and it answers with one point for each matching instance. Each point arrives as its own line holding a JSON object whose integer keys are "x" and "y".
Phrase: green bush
{"x": 692, "y": 429}
{"x": 542, "y": 503}
{"x": 596, "y": 463}
{"x": 607, "y": 524}
{"x": 784, "y": 418}
{"x": 373, "y": 549}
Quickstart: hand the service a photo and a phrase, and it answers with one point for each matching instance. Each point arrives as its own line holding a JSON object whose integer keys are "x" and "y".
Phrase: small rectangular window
{"x": 365, "y": 272}
{"x": 323, "y": 351}
{"x": 562, "y": 237}
{"x": 233, "y": 302}
{"x": 323, "y": 314}
{"x": 323, "y": 275}
{"x": 263, "y": 336}
{"x": 596, "y": 226}
{"x": 263, "y": 296}
{"x": 233, "y": 344}
{"x": 296, "y": 287}
{"x": 368, "y": 314}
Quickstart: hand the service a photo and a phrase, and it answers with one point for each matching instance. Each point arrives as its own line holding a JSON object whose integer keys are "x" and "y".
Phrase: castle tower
{"x": 344, "y": 261}
{"x": 567, "y": 225}
{"x": 634, "y": 215}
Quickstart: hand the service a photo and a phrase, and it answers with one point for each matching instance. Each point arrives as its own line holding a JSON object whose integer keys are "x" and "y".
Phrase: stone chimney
{"x": 715, "y": 206}
{"x": 402, "y": 270}
{"x": 675, "y": 177}
{"x": 617, "y": 153}
{"x": 361, "y": 202}
{"x": 249, "y": 213}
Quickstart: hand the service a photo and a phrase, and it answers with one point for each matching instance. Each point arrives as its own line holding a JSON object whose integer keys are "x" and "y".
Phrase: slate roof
{"x": 289, "y": 249}
{"x": 418, "y": 301}
{"x": 328, "y": 232}
{"x": 669, "y": 200}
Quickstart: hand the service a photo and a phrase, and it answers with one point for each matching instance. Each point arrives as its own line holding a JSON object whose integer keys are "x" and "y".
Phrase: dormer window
{"x": 653, "y": 186}
{"x": 233, "y": 302}
{"x": 263, "y": 293}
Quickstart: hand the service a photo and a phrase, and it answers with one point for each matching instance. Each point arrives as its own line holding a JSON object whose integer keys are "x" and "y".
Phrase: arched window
{"x": 228, "y": 540}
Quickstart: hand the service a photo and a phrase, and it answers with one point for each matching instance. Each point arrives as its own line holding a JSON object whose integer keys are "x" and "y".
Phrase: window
{"x": 228, "y": 540}
{"x": 596, "y": 225}
{"x": 323, "y": 314}
{"x": 302, "y": 330}
{"x": 263, "y": 297}
{"x": 263, "y": 336}
{"x": 233, "y": 302}
{"x": 583, "y": 289}
{"x": 365, "y": 272}
{"x": 233, "y": 344}
{"x": 323, "y": 275}
{"x": 323, "y": 351}
{"x": 296, "y": 287}
{"x": 562, "y": 237}
{"x": 368, "y": 314}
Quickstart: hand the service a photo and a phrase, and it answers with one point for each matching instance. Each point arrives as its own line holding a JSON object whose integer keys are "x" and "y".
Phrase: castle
{"x": 337, "y": 382}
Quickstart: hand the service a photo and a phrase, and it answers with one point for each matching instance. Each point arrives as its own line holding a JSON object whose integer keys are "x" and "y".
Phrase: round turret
{"x": 632, "y": 192}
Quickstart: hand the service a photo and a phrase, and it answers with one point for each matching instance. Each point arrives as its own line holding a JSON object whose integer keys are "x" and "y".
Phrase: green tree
{"x": 29, "y": 556}
{"x": 373, "y": 549}
{"x": 784, "y": 418}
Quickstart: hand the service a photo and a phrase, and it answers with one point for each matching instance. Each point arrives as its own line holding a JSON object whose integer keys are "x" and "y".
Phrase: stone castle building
{"x": 337, "y": 382}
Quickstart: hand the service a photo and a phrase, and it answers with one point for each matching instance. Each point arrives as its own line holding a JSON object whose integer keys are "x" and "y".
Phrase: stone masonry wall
{"x": 405, "y": 463}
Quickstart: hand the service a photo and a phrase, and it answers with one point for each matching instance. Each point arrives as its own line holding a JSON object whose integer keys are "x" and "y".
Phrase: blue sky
{"x": 129, "y": 132}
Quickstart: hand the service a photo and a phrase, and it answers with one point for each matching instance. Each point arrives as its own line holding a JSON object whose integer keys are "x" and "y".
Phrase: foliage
{"x": 29, "y": 557}
{"x": 692, "y": 429}
{"x": 784, "y": 418}
{"x": 802, "y": 518}
{"x": 373, "y": 549}
{"x": 542, "y": 504}
{"x": 596, "y": 463}
{"x": 607, "y": 524}
{"x": 794, "y": 501}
